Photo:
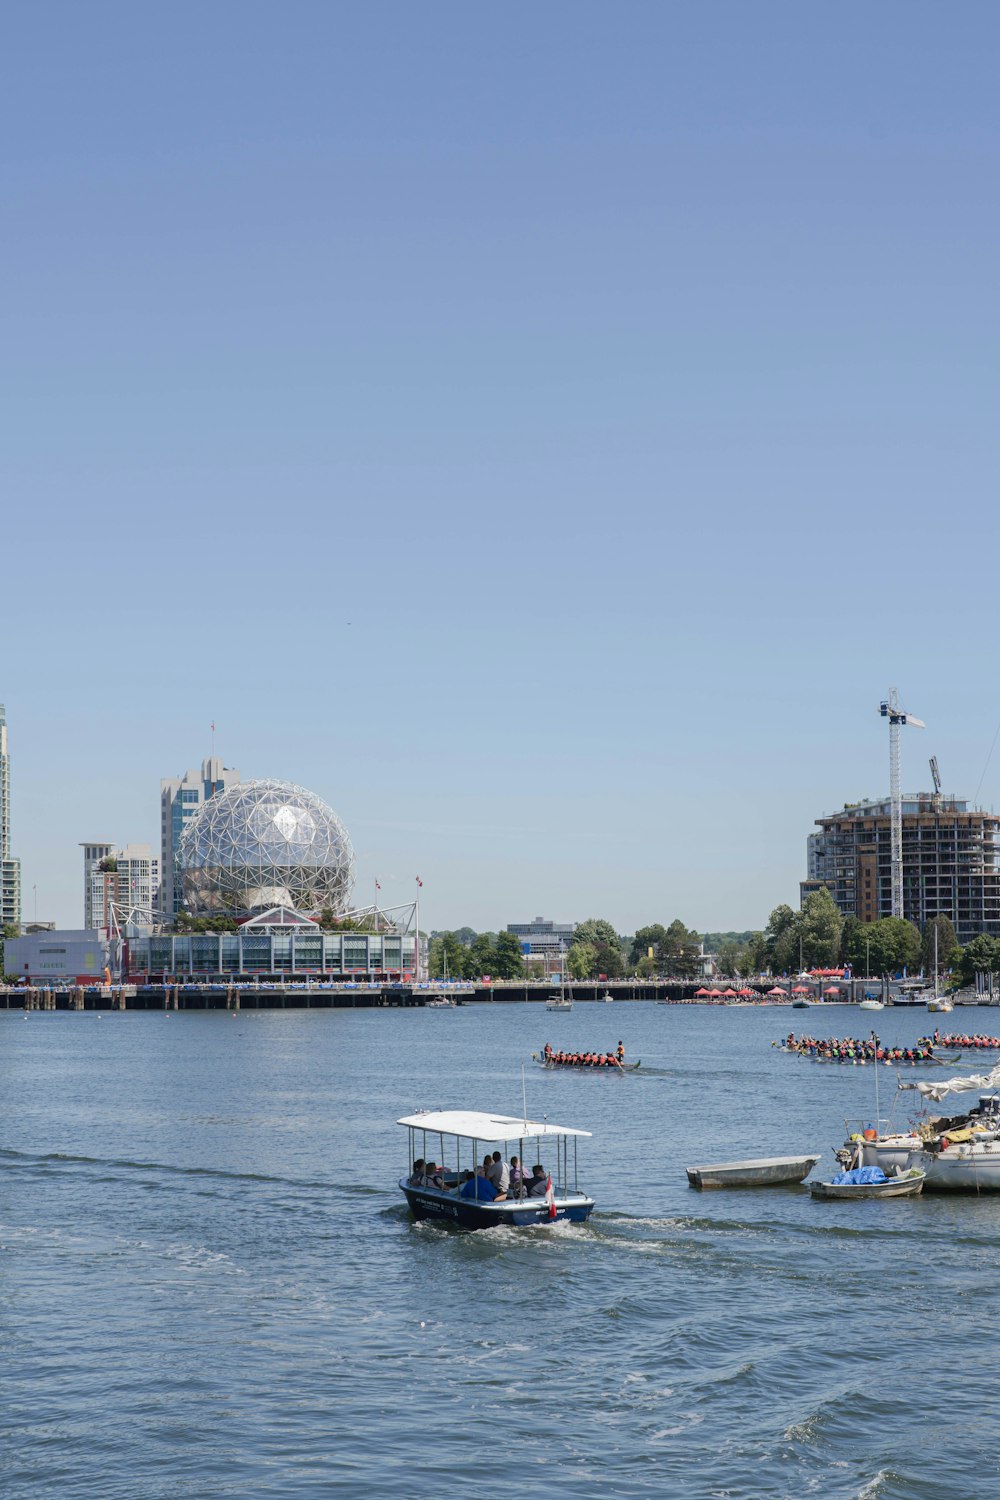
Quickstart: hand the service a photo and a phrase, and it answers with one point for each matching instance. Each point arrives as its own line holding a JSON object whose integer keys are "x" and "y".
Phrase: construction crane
{"x": 936, "y": 776}
{"x": 889, "y": 709}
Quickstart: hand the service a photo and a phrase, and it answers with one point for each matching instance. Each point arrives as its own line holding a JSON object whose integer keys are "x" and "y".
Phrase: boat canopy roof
{"x": 480, "y": 1126}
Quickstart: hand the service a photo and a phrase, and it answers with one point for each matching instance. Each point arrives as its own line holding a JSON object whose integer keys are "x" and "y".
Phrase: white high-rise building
{"x": 181, "y": 798}
{"x": 126, "y": 878}
{"x": 10, "y": 868}
{"x": 93, "y": 854}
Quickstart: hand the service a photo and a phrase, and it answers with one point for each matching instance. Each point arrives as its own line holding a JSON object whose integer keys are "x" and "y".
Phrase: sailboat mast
{"x": 935, "y": 958}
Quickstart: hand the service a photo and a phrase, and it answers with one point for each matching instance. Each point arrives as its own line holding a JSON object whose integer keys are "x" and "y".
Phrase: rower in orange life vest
{"x": 621, "y": 1053}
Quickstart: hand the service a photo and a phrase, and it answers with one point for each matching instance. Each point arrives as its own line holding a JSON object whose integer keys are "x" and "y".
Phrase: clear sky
{"x": 543, "y": 431}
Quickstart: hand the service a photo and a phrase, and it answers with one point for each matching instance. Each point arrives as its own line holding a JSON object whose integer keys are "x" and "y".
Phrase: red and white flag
{"x": 550, "y": 1197}
{"x": 419, "y": 881}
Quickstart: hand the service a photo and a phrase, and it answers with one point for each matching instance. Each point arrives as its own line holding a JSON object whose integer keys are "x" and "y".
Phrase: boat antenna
{"x": 524, "y": 1096}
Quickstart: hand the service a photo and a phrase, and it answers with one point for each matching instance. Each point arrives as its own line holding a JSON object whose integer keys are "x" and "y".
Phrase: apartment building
{"x": 951, "y": 862}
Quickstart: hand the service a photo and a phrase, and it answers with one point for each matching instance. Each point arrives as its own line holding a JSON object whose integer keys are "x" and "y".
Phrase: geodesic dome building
{"x": 263, "y": 844}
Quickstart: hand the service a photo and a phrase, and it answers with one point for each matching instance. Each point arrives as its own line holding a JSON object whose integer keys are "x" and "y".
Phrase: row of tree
{"x": 495, "y": 953}
{"x": 819, "y": 936}
{"x": 597, "y": 951}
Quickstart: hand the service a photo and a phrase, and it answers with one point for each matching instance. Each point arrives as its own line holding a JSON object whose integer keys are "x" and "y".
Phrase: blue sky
{"x": 544, "y": 432}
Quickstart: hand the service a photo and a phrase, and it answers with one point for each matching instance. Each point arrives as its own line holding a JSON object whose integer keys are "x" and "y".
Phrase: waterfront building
{"x": 951, "y": 862}
{"x": 543, "y": 940}
{"x": 70, "y": 957}
{"x": 10, "y": 868}
{"x": 275, "y": 945}
{"x": 126, "y": 878}
{"x": 181, "y": 800}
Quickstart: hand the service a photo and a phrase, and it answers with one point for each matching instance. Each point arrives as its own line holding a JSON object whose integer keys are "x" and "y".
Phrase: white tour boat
{"x": 437, "y": 1190}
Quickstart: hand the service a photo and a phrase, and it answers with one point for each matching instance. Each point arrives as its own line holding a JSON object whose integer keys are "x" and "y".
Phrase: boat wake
{"x": 48, "y": 1160}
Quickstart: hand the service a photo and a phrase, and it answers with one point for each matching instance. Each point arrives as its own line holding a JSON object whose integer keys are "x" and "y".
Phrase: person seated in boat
{"x": 539, "y": 1181}
{"x": 499, "y": 1174}
{"x": 478, "y": 1187}
{"x": 548, "y": 1052}
{"x": 433, "y": 1175}
{"x": 621, "y": 1051}
{"x": 417, "y": 1175}
{"x": 518, "y": 1184}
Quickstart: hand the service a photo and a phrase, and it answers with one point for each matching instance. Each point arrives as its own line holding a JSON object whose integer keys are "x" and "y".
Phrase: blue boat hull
{"x": 466, "y": 1213}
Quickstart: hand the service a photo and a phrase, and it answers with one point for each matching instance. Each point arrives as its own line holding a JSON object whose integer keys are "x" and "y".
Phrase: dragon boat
{"x": 613, "y": 1064}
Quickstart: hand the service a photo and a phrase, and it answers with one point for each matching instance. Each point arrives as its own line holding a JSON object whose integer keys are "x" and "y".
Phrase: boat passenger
{"x": 621, "y": 1051}
{"x": 539, "y": 1181}
{"x": 518, "y": 1179}
{"x": 433, "y": 1175}
{"x": 548, "y": 1051}
{"x": 499, "y": 1174}
{"x": 417, "y": 1175}
{"x": 476, "y": 1187}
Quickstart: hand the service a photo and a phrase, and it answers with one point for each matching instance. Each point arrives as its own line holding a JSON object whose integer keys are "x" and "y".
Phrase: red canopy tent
{"x": 716, "y": 994}
{"x": 745, "y": 993}
{"x": 802, "y": 989}
{"x": 776, "y": 991}
{"x": 702, "y": 991}
{"x": 831, "y": 990}
{"x": 729, "y": 994}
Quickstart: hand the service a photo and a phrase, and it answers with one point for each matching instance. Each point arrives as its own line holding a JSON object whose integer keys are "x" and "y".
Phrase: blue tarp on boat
{"x": 858, "y": 1176}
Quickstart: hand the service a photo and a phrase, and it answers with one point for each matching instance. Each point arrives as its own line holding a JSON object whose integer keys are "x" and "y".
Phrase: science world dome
{"x": 263, "y": 844}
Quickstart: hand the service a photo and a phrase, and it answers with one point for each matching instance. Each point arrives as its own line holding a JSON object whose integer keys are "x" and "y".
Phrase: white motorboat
{"x": 886, "y": 1151}
{"x": 961, "y": 1166}
{"x": 608, "y": 998}
{"x": 441, "y": 1002}
{"x": 871, "y": 1005}
{"x": 964, "y": 1153}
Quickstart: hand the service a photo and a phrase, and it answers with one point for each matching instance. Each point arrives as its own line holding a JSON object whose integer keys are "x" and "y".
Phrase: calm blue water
{"x": 210, "y": 1287}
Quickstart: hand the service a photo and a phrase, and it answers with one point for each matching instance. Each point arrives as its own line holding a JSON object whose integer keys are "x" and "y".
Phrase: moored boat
{"x": 765, "y": 1171}
{"x": 457, "y": 1196}
{"x": 957, "y": 1153}
{"x": 860, "y": 1184}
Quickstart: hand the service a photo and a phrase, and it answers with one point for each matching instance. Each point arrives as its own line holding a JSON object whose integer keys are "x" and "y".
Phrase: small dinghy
{"x": 870, "y": 1182}
{"x": 765, "y": 1171}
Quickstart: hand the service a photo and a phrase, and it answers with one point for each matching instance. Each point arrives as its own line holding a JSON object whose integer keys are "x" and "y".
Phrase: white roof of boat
{"x": 481, "y": 1126}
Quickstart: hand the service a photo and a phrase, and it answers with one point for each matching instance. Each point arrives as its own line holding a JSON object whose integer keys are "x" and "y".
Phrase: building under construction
{"x": 950, "y": 862}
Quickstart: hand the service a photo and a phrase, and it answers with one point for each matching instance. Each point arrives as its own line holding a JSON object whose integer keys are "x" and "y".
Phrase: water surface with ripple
{"x": 210, "y": 1285}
